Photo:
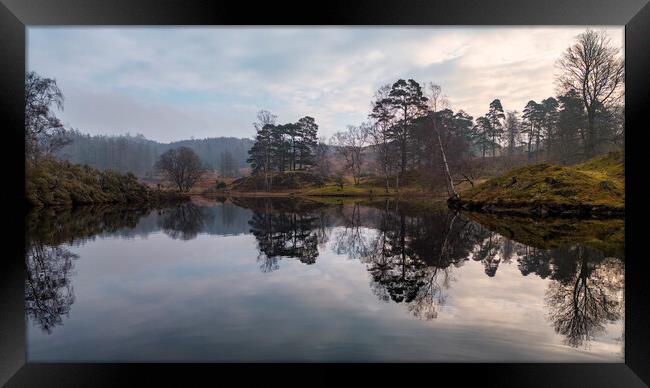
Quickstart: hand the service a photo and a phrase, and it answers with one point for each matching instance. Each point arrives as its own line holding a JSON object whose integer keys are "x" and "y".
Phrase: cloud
{"x": 170, "y": 83}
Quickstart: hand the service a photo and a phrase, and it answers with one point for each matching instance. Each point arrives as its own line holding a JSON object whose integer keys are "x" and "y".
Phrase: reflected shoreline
{"x": 411, "y": 256}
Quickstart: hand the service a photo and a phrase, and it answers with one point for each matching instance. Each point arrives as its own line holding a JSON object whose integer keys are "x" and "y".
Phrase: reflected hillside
{"x": 55, "y": 226}
{"x": 549, "y": 233}
{"x": 51, "y": 231}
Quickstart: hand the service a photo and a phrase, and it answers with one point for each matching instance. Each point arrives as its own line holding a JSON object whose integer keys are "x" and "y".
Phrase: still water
{"x": 289, "y": 280}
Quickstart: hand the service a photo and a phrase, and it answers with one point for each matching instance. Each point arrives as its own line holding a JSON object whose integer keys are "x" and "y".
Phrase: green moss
{"x": 598, "y": 182}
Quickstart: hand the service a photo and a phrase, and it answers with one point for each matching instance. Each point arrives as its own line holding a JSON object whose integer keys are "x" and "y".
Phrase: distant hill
{"x": 138, "y": 154}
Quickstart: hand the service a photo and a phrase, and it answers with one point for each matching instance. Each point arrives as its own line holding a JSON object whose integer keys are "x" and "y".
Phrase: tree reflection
{"x": 410, "y": 257}
{"x": 284, "y": 229}
{"x": 581, "y": 304}
{"x": 48, "y": 290}
{"x": 54, "y": 226}
{"x": 351, "y": 239}
{"x": 185, "y": 221}
{"x": 49, "y": 294}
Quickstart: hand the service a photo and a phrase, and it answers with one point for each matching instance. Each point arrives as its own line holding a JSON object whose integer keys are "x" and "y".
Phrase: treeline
{"x": 138, "y": 155}
{"x": 46, "y": 137}
{"x": 414, "y": 133}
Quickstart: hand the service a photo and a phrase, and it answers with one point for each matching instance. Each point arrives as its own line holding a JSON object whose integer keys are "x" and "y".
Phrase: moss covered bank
{"x": 595, "y": 188}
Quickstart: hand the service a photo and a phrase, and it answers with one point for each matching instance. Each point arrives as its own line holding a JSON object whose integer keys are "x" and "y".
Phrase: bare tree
{"x": 264, "y": 117}
{"x": 322, "y": 158}
{"x": 434, "y": 100}
{"x": 349, "y": 144}
{"x": 437, "y": 101}
{"x": 380, "y": 135}
{"x": 384, "y": 149}
{"x": 181, "y": 166}
{"x": 44, "y": 132}
{"x": 594, "y": 69}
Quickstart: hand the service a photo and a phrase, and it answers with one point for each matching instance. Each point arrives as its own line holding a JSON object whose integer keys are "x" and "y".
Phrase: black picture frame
{"x": 15, "y": 15}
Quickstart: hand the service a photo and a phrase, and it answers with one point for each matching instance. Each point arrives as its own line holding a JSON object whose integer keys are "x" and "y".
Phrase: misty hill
{"x": 138, "y": 154}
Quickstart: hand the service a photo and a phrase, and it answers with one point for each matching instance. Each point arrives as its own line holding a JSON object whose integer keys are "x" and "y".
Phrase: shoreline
{"x": 539, "y": 209}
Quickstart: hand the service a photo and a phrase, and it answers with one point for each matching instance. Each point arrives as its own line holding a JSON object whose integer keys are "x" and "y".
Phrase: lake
{"x": 283, "y": 279}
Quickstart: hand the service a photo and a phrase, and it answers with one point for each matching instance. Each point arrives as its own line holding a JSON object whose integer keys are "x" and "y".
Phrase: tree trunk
{"x": 403, "y": 166}
{"x": 591, "y": 141}
{"x": 450, "y": 181}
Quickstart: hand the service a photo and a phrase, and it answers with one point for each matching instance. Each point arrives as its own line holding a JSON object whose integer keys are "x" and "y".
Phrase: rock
{"x": 551, "y": 181}
{"x": 512, "y": 182}
{"x": 606, "y": 185}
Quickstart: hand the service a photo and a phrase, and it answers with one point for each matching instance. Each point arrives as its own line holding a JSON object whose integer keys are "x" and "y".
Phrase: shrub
{"x": 53, "y": 182}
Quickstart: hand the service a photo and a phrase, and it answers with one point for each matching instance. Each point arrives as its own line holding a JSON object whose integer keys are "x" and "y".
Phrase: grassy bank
{"x": 305, "y": 184}
{"x": 61, "y": 183}
{"x": 593, "y": 188}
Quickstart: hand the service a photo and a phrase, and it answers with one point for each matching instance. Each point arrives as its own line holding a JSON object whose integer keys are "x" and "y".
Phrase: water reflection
{"x": 284, "y": 228}
{"x": 48, "y": 290}
{"x": 581, "y": 302}
{"x": 412, "y": 256}
{"x": 185, "y": 221}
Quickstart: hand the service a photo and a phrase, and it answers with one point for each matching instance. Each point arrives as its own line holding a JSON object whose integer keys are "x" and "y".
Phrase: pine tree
{"x": 495, "y": 115}
{"x": 308, "y": 131}
{"x": 406, "y": 102}
{"x": 482, "y": 134}
{"x": 261, "y": 153}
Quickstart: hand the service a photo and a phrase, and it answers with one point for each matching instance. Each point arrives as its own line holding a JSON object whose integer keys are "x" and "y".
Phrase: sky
{"x": 173, "y": 83}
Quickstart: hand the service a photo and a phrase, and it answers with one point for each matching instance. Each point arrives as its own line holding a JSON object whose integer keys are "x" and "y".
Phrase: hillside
{"x": 137, "y": 154}
{"x": 61, "y": 183}
{"x": 593, "y": 188}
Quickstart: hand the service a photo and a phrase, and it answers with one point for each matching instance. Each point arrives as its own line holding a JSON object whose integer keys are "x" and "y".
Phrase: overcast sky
{"x": 176, "y": 83}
